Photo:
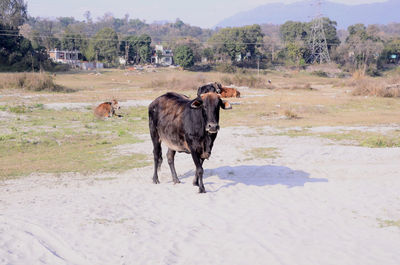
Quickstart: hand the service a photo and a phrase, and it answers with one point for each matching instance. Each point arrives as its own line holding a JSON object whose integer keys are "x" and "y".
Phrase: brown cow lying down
{"x": 229, "y": 92}
{"x": 106, "y": 109}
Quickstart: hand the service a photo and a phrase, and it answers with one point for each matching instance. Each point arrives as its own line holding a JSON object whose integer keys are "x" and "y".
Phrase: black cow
{"x": 211, "y": 87}
{"x": 185, "y": 125}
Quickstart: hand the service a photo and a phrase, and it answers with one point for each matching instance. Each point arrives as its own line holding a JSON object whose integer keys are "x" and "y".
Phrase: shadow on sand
{"x": 258, "y": 176}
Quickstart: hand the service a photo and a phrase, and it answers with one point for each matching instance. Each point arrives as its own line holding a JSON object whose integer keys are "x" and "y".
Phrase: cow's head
{"x": 210, "y": 87}
{"x": 210, "y": 103}
{"x": 114, "y": 104}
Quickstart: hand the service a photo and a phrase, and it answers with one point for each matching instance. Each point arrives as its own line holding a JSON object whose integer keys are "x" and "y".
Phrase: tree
{"x": 89, "y": 51}
{"x": 88, "y": 17}
{"x": 292, "y": 31}
{"x": 73, "y": 41}
{"x": 139, "y": 50}
{"x": 271, "y": 47}
{"x": 193, "y": 43}
{"x": 105, "y": 43}
{"x": 16, "y": 51}
{"x": 392, "y": 47}
{"x": 296, "y": 52}
{"x": 66, "y": 21}
{"x": 144, "y": 54}
{"x": 361, "y": 49}
{"x": 183, "y": 55}
{"x": 237, "y": 42}
{"x": 13, "y": 13}
{"x": 208, "y": 53}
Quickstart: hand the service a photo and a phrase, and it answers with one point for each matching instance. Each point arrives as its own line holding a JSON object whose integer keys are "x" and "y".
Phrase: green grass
{"x": 49, "y": 141}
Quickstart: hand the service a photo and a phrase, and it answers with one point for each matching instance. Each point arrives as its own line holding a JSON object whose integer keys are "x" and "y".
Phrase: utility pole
{"x": 97, "y": 57}
{"x": 126, "y": 53}
{"x": 319, "y": 46}
{"x": 33, "y": 69}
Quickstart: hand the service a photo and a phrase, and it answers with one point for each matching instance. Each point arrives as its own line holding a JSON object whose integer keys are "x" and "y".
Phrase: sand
{"x": 316, "y": 202}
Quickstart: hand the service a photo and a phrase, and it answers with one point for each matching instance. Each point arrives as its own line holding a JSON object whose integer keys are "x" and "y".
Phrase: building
{"x": 66, "y": 57}
{"x": 161, "y": 56}
{"x": 73, "y": 58}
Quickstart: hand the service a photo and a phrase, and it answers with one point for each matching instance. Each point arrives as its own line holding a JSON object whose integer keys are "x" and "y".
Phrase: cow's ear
{"x": 225, "y": 104}
{"x": 197, "y": 103}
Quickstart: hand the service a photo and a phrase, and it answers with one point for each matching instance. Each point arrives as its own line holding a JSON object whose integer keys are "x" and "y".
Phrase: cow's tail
{"x": 155, "y": 137}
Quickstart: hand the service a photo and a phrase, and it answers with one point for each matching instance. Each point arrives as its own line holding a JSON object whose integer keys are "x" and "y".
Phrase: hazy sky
{"x": 203, "y": 13}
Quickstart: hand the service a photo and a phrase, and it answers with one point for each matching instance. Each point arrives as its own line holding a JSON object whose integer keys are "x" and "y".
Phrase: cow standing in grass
{"x": 185, "y": 125}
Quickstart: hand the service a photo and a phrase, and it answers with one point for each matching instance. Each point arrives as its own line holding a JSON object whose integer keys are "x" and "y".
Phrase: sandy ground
{"x": 316, "y": 203}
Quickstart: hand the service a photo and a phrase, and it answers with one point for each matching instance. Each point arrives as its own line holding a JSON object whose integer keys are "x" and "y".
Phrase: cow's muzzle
{"x": 212, "y": 127}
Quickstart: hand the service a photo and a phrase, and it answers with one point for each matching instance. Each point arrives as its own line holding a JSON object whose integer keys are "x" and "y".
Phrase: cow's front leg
{"x": 198, "y": 178}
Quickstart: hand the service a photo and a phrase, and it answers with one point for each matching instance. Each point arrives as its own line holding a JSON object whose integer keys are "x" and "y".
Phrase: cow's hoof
{"x": 176, "y": 181}
{"x": 202, "y": 190}
{"x": 156, "y": 181}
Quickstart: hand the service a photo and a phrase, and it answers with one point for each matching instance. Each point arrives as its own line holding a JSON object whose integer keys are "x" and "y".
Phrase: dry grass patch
{"x": 378, "y": 87}
{"x": 31, "y": 81}
{"x": 290, "y": 114}
{"x": 178, "y": 82}
{"x": 352, "y": 137}
{"x": 262, "y": 153}
{"x": 365, "y": 139}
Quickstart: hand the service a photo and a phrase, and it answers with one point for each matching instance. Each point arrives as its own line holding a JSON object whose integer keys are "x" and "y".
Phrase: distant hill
{"x": 345, "y": 15}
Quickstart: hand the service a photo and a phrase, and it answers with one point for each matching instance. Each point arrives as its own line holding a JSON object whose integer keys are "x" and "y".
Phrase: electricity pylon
{"x": 319, "y": 46}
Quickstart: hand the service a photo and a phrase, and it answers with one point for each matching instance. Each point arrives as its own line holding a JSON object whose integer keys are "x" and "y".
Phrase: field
{"x": 304, "y": 171}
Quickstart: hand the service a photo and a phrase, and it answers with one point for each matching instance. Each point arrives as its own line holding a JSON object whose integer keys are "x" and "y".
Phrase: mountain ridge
{"x": 345, "y": 15}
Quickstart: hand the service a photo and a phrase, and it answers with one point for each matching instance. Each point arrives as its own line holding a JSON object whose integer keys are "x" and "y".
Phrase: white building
{"x": 67, "y": 57}
{"x": 161, "y": 56}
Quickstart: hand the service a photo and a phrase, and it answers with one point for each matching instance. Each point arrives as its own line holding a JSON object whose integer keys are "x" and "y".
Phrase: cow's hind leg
{"x": 157, "y": 151}
{"x": 171, "y": 157}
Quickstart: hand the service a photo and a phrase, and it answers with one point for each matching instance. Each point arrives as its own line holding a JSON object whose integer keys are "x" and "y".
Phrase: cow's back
{"x": 229, "y": 92}
{"x": 103, "y": 110}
